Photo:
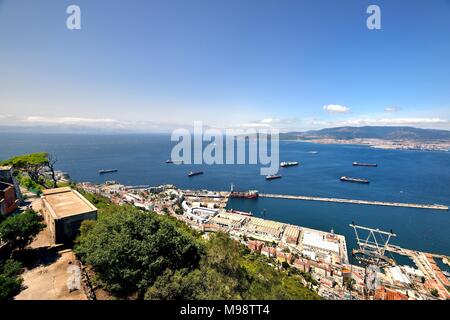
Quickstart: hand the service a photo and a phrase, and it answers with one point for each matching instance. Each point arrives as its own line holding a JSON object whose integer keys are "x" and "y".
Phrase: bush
{"x": 10, "y": 283}
{"x": 19, "y": 230}
{"x": 227, "y": 271}
{"x": 129, "y": 249}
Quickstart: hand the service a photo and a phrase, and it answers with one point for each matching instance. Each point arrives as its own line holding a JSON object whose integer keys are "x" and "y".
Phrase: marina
{"x": 325, "y": 255}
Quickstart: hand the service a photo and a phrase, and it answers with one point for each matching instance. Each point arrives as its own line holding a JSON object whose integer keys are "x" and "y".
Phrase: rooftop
{"x": 65, "y": 202}
{"x": 292, "y": 231}
{"x": 318, "y": 240}
{"x": 266, "y": 226}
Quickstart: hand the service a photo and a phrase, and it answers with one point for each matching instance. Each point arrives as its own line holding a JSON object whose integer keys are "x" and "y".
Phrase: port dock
{"x": 366, "y": 202}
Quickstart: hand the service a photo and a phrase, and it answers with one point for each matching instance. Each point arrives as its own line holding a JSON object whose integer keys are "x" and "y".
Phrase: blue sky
{"x": 157, "y": 65}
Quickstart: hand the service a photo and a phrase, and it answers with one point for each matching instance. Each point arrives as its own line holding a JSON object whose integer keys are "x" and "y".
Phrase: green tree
{"x": 228, "y": 271}
{"x": 19, "y": 230}
{"x": 33, "y": 164}
{"x": 129, "y": 249}
{"x": 9, "y": 287}
{"x": 10, "y": 282}
{"x": 435, "y": 293}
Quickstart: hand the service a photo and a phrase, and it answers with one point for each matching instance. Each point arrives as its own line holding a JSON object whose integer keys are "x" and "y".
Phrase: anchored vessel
{"x": 357, "y": 180}
{"x": 107, "y": 171}
{"x": 362, "y": 164}
{"x": 251, "y": 194}
{"x": 174, "y": 161}
{"x": 194, "y": 173}
{"x": 288, "y": 164}
{"x": 273, "y": 176}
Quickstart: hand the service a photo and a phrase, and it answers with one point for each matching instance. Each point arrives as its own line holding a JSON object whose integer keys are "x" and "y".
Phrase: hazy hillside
{"x": 388, "y": 133}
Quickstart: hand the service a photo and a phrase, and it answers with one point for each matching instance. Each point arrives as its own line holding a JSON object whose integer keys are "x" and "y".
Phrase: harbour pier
{"x": 353, "y": 201}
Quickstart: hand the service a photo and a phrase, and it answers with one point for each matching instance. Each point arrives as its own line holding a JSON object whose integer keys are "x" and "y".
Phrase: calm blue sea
{"x": 402, "y": 176}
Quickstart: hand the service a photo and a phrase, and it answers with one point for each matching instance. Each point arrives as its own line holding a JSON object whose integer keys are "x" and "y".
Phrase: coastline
{"x": 411, "y": 145}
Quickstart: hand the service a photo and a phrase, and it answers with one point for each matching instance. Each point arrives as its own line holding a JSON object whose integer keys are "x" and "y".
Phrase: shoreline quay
{"x": 352, "y": 201}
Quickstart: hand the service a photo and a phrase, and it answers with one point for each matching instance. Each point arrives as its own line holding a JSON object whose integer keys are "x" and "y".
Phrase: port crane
{"x": 370, "y": 252}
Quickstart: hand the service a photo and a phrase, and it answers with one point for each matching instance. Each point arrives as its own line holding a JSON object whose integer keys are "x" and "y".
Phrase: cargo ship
{"x": 194, "y": 173}
{"x": 285, "y": 164}
{"x": 107, "y": 171}
{"x": 348, "y": 179}
{"x": 251, "y": 194}
{"x": 242, "y": 213}
{"x": 362, "y": 164}
{"x": 174, "y": 161}
{"x": 273, "y": 176}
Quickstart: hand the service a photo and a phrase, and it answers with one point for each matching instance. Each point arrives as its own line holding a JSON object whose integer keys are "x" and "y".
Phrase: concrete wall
{"x": 65, "y": 230}
{"x": 6, "y": 175}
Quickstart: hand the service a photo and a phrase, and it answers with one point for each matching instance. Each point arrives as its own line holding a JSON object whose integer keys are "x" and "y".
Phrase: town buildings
{"x": 8, "y": 200}
{"x": 319, "y": 254}
{"x": 10, "y": 195}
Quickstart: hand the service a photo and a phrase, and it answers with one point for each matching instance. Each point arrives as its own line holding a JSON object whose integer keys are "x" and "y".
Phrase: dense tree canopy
{"x": 158, "y": 257}
{"x": 33, "y": 164}
{"x": 229, "y": 271}
{"x": 10, "y": 282}
{"x": 16, "y": 232}
{"x": 19, "y": 230}
{"x": 129, "y": 249}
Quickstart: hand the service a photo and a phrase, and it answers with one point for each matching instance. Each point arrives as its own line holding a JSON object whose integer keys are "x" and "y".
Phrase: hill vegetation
{"x": 30, "y": 170}
{"x": 370, "y": 132}
{"x": 15, "y": 233}
{"x": 144, "y": 255}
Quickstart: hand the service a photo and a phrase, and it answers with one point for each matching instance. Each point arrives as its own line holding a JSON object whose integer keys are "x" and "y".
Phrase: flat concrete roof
{"x": 65, "y": 202}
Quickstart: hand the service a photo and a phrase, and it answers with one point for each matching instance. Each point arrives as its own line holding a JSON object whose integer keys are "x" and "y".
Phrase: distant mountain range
{"x": 369, "y": 132}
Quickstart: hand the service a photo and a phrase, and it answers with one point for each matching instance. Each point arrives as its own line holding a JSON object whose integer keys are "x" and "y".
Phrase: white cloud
{"x": 394, "y": 121}
{"x": 391, "y": 109}
{"x": 86, "y": 124}
{"x": 269, "y": 120}
{"x": 336, "y": 108}
{"x": 270, "y": 123}
{"x": 66, "y": 120}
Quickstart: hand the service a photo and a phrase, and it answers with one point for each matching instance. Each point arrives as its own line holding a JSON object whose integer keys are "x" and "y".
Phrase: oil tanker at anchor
{"x": 194, "y": 173}
{"x": 356, "y": 180}
{"x": 362, "y": 164}
{"x": 286, "y": 164}
{"x": 103, "y": 171}
{"x": 273, "y": 176}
